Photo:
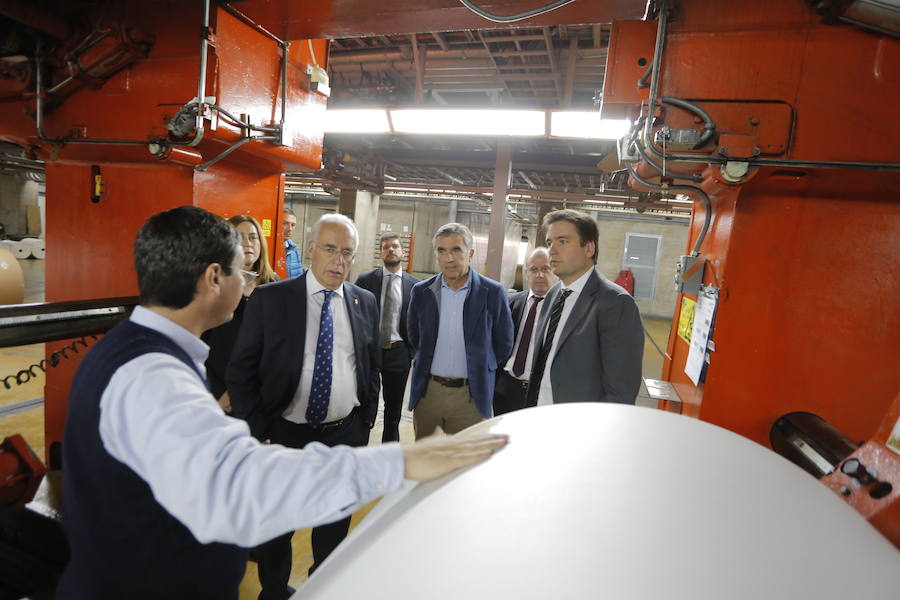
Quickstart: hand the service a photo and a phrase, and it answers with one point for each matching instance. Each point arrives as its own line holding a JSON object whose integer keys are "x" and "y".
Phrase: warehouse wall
{"x": 613, "y": 230}
{"x": 16, "y": 196}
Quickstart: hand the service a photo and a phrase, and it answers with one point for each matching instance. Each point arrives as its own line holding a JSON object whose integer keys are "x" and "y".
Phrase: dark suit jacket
{"x": 601, "y": 349}
{"x": 372, "y": 281}
{"x": 267, "y": 359}
{"x": 517, "y": 304}
{"x": 487, "y": 330}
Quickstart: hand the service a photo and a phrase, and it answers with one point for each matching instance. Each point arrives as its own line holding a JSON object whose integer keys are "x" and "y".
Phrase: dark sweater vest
{"x": 123, "y": 543}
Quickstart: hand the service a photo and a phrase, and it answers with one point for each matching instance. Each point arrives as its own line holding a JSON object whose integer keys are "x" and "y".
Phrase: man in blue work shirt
{"x": 460, "y": 326}
{"x": 292, "y": 258}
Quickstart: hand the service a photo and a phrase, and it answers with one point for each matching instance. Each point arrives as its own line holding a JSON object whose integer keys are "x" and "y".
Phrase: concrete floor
{"x": 28, "y": 420}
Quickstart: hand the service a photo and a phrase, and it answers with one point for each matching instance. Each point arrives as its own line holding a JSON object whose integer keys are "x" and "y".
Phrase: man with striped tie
{"x": 305, "y": 369}
{"x": 590, "y": 342}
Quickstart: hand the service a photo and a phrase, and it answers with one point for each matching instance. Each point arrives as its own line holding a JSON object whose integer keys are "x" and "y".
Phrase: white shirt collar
{"x": 187, "y": 341}
{"x": 313, "y": 286}
{"x": 579, "y": 283}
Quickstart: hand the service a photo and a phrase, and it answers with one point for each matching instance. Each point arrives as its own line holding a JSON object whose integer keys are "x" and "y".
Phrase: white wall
{"x": 674, "y": 243}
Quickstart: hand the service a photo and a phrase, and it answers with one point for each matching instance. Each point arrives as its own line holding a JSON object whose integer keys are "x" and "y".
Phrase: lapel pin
{"x": 356, "y": 301}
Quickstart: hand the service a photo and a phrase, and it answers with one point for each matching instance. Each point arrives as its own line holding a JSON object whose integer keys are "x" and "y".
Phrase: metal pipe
{"x": 237, "y": 122}
{"x": 201, "y": 80}
{"x": 231, "y": 149}
{"x": 693, "y": 178}
{"x": 657, "y": 61}
{"x": 686, "y": 189}
{"x": 709, "y": 127}
{"x": 648, "y": 143}
{"x": 284, "y": 53}
{"x": 226, "y": 6}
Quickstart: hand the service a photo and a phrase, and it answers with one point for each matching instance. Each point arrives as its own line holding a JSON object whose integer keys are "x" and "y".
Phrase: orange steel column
{"x": 806, "y": 259}
{"x": 89, "y": 236}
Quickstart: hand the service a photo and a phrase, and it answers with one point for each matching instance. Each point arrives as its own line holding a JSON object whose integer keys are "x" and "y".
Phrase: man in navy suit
{"x": 461, "y": 329}
{"x": 392, "y": 288}
{"x": 305, "y": 368}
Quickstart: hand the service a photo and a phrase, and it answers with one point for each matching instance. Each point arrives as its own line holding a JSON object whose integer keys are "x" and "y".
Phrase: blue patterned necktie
{"x": 320, "y": 390}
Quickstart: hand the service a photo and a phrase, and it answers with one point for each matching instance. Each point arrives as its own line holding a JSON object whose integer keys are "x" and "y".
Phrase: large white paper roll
{"x": 600, "y": 500}
{"x": 12, "y": 283}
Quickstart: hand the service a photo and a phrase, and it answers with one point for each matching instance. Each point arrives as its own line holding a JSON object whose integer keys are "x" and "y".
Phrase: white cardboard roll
{"x": 12, "y": 283}
{"x": 18, "y": 249}
{"x": 35, "y": 247}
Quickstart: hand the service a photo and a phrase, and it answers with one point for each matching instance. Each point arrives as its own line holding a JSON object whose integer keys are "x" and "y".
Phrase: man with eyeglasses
{"x": 163, "y": 491}
{"x": 526, "y": 308}
{"x": 305, "y": 368}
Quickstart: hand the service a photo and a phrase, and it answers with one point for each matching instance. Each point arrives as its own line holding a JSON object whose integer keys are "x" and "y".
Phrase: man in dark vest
{"x": 162, "y": 490}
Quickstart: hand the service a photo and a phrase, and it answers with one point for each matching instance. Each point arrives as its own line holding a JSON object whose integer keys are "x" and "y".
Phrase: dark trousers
{"x": 274, "y": 558}
{"x": 394, "y": 373}
{"x": 509, "y": 393}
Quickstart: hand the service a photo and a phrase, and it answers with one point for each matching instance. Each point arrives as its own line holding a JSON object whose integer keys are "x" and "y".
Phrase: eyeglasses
{"x": 249, "y": 276}
{"x": 346, "y": 255}
{"x": 535, "y": 270}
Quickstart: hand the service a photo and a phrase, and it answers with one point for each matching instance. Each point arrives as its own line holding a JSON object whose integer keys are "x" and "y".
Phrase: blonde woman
{"x": 256, "y": 271}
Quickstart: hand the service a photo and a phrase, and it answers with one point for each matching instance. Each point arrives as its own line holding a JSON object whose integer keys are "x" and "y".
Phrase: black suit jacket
{"x": 267, "y": 359}
{"x": 372, "y": 281}
{"x": 517, "y": 304}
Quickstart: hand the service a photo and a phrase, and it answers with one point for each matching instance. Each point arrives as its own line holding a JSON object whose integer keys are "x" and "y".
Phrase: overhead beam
{"x": 570, "y": 72}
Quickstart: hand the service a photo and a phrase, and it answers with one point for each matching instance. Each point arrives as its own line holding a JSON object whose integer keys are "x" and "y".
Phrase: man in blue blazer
{"x": 392, "y": 288}
{"x": 461, "y": 328}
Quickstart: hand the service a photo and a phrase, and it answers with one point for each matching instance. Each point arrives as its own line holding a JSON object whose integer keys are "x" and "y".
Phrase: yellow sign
{"x": 267, "y": 227}
{"x": 686, "y": 319}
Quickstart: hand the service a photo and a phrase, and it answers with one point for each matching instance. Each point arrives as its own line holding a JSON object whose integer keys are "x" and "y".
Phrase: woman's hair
{"x": 261, "y": 266}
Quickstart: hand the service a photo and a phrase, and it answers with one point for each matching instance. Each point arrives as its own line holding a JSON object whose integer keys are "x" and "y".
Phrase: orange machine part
{"x": 99, "y": 195}
{"x": 807, "y": 316}
{"x": 877, "y": 496}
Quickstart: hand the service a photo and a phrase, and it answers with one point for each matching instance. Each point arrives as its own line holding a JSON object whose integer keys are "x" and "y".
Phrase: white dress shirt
{"x": 343, "y": 358}
{"x": 537, "y": 315}
{"x": 204, "y": 468}
{"x": 395, "y": 280}
{"x": 545, "y": 393}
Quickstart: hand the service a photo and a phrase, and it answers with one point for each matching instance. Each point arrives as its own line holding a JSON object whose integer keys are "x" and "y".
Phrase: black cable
{"x": 688, "y": 189}
{"x": 517, "y": 17}
{"x": 709, "y": 127}
{"x": 29, "y": 373}
{"x": 692, "y": 178}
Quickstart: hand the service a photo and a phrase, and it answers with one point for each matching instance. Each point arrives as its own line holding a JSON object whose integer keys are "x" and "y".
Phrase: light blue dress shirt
{"x": 158, "y": 418}
{"x": 450, "y": 347}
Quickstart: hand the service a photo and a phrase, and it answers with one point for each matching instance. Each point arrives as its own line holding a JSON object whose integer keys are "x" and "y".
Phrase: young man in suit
{"x": 461, "y": 329}
{"x": 526, "y": 307}
{"x": 590, "y": 344}
{"x": 392, "y": 288}
{"x": 163, "y": 491}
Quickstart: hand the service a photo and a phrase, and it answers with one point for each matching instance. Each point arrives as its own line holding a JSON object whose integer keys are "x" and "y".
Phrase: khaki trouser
{"x": 451, "y": 408}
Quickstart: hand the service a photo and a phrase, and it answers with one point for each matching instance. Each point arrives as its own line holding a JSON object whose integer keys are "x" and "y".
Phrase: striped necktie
{"x": 537, "y": 369}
